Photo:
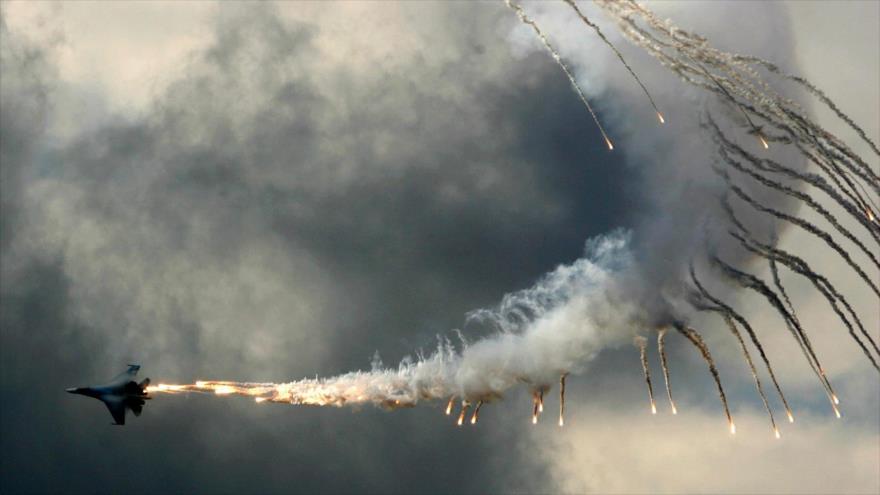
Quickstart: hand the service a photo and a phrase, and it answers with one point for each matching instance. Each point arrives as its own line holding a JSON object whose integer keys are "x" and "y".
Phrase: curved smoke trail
{"x": 548, "y": 330}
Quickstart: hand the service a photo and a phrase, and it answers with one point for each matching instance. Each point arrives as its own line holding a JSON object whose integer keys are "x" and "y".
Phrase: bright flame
{"x": 660, "y": 116}
{"x": 464, "y": 407}
{"x": 561, "y": 421}
{"x": 763, "y": 142}
{"x": 259, "y": 399}
{"x": 162, "y": 387}
{"x": 534, "y": 419}
{"x": 223, "y": 389}
{"x": 449, "y": 406}
{"x": 674, "y": 410}
{"x": 610, "y": 146}
{"x": 790, "y": 417}
{"x": 732, "y": 428}
{"x": 837, "y": 412}
{"x": 776, "y": 432}
{"x": 653, "y": 408}
{"x": 834, "y": 398}
{"x": 540, "y": 407}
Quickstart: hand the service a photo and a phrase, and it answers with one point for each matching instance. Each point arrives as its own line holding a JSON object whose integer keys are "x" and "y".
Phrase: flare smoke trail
{"x": 641, "y": 343}
{"x": 821, "y": 284}
{"x": 736, "y": 81}
{"x": 528, "y": 21}
{"x": 601, "y": 35}
{"x": 799, "y": 266}
{"x": 806, "y": 199}
{"x": 735, "y": 102}
{"x": 732, "y": 326}
{"x": 728, "y": 312}
{"x": 769, "y": 166}
{"x": 698, "y": 342}
{"x": 805, "y": 225}
{"x": 751, "y": 282}
{"x": 703, "y": 306}
{"x": 661, "y": 349}
{"x": 818, "y": 93}
{"x": 777, "y": 282}
{"x": 555, "y": 327}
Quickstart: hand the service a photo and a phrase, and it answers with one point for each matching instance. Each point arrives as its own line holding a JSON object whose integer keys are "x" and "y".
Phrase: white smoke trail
{"x": 550, "y": 329}
{"x": 555, "y": 54}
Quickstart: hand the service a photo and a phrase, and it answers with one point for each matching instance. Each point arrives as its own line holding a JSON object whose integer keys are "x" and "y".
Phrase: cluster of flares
{"x": 846, "y": 179}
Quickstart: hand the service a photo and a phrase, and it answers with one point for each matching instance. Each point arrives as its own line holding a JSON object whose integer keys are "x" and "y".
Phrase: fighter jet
{"x": 120, "y": 394}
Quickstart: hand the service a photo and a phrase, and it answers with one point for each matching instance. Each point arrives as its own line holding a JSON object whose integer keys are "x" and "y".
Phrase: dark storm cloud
{"x": 26, "y": 76}
{"x": 273, "y": 217}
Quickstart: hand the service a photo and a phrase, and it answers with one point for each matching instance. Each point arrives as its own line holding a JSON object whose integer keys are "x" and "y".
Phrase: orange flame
{"x": 476, "y": 415}
{"x": 464, "y": 408}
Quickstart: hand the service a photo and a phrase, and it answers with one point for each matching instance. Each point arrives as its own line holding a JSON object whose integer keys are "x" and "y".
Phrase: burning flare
{"x": 562, "y": 399}
{"x": 476, "y": 415}
{"x": 529, "y": 22}
{"x": 641, "y": 343}
{"x": 536, "y": 408}
{"x": 465, "y": 405}
{"x": 661, "y": 349}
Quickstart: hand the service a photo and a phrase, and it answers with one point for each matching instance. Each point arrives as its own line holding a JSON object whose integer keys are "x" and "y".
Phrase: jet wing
{"x": 124, "y": 377}
{"x": 116, "y": 405}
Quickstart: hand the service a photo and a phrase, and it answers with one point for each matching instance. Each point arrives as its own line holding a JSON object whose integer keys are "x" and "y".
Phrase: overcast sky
{"x": 270, "y": 192}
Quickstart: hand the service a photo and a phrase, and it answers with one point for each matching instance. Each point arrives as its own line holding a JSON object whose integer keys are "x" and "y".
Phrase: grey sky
{"x": 270, "y": 193}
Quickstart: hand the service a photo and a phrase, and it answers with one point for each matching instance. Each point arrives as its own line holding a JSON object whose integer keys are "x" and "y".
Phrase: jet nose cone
{"x": 71, "y": 390}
